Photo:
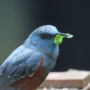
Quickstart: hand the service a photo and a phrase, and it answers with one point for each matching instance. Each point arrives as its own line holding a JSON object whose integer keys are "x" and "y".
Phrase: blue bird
{"x": 28, "y": 65}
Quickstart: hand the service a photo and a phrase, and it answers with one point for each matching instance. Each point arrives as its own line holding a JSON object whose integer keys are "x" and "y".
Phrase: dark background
{"x": 19, "y": 17}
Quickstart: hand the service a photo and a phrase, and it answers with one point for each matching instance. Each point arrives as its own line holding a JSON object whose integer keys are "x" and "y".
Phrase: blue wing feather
{"x": 21, "y": 62}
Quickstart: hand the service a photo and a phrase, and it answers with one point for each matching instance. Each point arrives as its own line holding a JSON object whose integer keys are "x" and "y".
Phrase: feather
{"x": 13, "y": 69}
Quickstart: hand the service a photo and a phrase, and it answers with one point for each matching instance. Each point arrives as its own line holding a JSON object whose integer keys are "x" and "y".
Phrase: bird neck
{"x": 52, "y": 51}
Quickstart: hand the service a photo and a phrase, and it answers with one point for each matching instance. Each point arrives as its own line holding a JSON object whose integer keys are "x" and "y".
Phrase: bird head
{"x": 42, "y": 39}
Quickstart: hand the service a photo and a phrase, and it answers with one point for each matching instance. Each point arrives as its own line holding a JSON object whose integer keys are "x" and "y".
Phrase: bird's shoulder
{"x": 21, "y": 54}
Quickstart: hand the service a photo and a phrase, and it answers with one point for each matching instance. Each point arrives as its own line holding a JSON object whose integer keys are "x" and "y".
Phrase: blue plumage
{"x": 25, "y": 59}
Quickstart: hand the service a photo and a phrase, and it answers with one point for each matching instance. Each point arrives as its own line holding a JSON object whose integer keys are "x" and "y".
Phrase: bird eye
{"x": 43, "y": 36}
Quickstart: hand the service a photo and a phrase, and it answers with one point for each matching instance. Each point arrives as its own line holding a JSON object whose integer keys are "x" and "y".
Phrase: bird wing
{"x": 21, "y": 65}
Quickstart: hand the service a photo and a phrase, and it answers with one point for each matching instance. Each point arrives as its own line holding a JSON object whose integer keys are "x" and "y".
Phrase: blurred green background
{"x": 14, "y": 25}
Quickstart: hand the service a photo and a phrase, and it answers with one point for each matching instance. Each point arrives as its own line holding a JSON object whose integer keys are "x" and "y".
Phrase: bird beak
{"x": 59, "y": 37}
{"x": 66, "y": 35}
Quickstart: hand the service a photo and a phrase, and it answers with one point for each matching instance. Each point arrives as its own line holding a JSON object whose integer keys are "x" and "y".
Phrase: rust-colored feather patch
{"x": 33, "y": 82}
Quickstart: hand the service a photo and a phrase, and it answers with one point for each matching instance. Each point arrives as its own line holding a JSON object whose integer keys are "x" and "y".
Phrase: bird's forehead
{"x": 47, "y": 29}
